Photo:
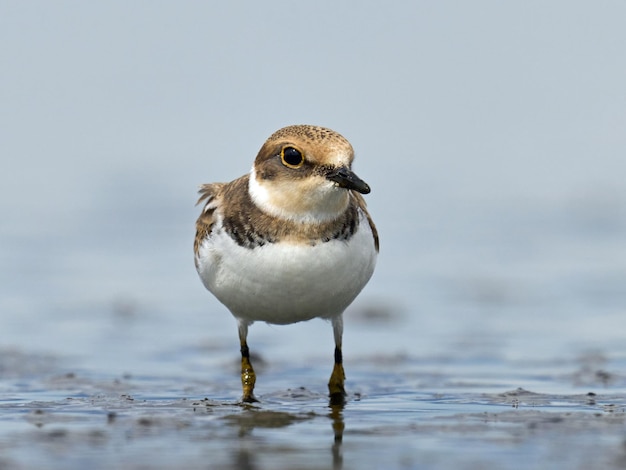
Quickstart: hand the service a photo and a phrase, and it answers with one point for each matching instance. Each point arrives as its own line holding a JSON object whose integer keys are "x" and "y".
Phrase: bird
{"x": 290, "y": 241}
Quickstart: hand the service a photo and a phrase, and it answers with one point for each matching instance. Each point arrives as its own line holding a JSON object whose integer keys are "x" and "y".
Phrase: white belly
{"x": 287, "y": 283}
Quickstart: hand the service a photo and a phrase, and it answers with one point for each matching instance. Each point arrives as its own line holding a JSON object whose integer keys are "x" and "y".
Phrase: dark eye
{"x": 291, "y": 157}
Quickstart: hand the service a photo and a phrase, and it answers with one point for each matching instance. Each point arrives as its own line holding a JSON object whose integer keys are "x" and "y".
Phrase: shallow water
{"x": 473, "y": 401}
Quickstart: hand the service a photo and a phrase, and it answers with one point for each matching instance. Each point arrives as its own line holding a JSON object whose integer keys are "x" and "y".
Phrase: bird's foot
{"x": 336, "y": 390}
{"x": 248, "y": 379}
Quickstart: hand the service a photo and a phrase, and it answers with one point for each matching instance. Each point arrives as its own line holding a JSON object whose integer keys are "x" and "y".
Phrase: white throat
{"x": 312, "y": 202}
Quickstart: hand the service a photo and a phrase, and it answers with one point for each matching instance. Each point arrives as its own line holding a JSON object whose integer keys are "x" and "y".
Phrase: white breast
{"x": 287, "y": 283}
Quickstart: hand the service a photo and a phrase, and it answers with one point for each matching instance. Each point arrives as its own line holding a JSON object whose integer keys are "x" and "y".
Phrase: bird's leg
{"x": 248, "y": 377}
{"x": 336, "y": 390}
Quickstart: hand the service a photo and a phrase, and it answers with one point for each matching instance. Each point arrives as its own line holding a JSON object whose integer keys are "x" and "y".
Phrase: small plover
{"x": 290, "y": 241}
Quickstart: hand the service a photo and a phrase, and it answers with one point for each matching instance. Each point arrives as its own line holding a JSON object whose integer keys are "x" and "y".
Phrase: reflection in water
{"x": 244, "y": 460}
{"x": 246, "y": 454}
{"x": 253, "y": 418}
{"x": 336, "y": 415}
{"x": 249, "y": 453}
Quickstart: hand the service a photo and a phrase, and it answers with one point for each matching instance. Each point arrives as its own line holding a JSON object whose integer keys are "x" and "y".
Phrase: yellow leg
{"x": 248, "y": 377}
{"x": 336, "y": 390}
{"x": 335, "y": 385}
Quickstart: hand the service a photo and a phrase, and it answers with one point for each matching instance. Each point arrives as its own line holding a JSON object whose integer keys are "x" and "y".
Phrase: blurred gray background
{"x": 492, "y": 135}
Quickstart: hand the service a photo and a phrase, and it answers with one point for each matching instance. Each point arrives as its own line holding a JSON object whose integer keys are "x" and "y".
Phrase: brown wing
{"x": 204, "y": 224}
{"x": 363, "y": 206}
